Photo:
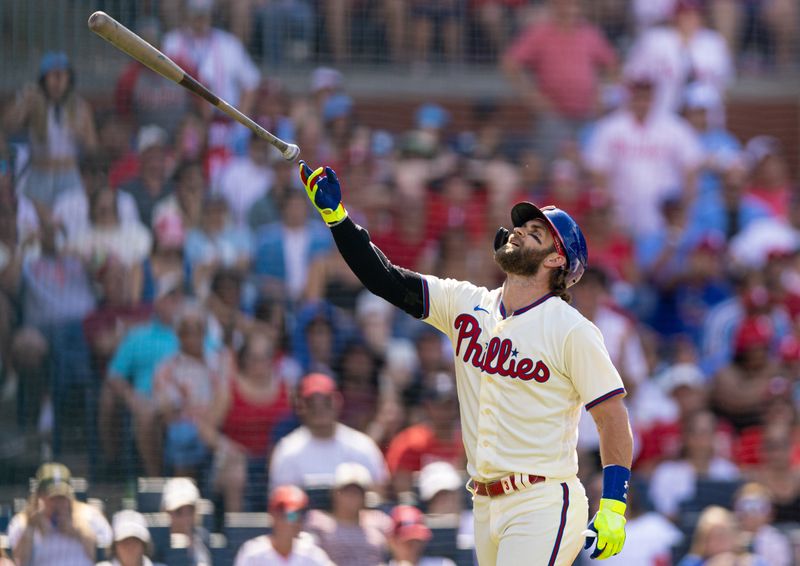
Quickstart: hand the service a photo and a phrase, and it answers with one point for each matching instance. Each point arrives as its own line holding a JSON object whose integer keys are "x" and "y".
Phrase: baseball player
{"x": 525, "y": 363}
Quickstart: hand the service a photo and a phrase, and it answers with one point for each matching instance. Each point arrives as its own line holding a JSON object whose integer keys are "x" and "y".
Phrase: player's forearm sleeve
{"x": 401, "y": 287}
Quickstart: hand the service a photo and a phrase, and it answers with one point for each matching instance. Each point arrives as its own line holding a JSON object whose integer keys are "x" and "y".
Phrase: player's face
{"x": 526, "y": 249}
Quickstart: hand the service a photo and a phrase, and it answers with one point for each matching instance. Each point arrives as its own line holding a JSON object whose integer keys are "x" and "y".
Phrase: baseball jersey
{"x": 260, "y": 552}
{"x": 522, "y": 377}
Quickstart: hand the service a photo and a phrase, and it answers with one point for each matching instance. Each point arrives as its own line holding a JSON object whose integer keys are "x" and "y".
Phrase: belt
{"x": 506, "y": 485}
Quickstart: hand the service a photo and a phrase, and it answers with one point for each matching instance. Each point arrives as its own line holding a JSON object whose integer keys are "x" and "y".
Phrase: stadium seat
{"x": 148, "y": 494}
{"x": 241, "y": 527}
{"x": 158, "y": 525}
{"x": 178, "y": 552}
{"x": 444, "y": 529}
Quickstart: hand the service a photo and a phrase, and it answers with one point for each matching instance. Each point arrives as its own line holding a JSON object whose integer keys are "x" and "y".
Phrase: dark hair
{"x": 184, "y": 166}
{"x": 558, "y": 284}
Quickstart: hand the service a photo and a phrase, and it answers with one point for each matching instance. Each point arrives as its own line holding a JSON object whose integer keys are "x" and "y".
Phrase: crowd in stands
{"x": 167, "y": 294}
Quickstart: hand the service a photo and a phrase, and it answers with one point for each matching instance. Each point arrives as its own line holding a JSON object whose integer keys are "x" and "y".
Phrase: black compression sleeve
{"x": 401, "y": 287}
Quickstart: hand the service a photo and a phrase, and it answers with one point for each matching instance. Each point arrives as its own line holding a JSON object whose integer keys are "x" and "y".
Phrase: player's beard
{"x": 520, "y": 261}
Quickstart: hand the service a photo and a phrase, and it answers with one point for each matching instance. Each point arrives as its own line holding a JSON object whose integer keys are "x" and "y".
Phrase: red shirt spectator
{"x": 564, "y": 53}
{"x": 250, "y": 422}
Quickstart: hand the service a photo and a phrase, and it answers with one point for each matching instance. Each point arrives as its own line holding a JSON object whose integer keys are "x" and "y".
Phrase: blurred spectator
{"x": 184, "y": 387}
{"x": 612, "y": 249}
{"x": 432, "y": 359}
{"x": 246, "y": 179}
{"x": 350, "y": 534}
{"x": 409, "y": 537}
{"x": 186, "y": 202}
{"x": 152, "y": 183}
{"x": 770, "y": 183}
{"x": 767, "y": 35}
{"x": 592, "y": 298}
{"x": 240, "y": 423}
{"x": 440, "y": 20}
{"x": 776, "y": 472}
{"x": 498, "y": 20}
{"x": 673, "y": 482}
{"x": 221, "y": 63}
{"x": 60, "y": 125}
{"x": 285, "y": 249}
{"x": 287, "y": 31}
{"x": 216, "y": 243}
{"x": 331, "y": 280}
{"x": 641, "y": 156}
{"x": 681, "y": 53}
{"x": 441, "y": 493}
{"x": 130, "y": 378}
{"x": 779, "y": 413}
{"x": 71, "y": 209}
{"x": 266, "y": 209}
{"x": 677, "y": 395}
{"x": 741, "y": 390}
{"x": 311, "y": 453}
{"x": 703, "y": 109}
{"x": 49, "y": 351}
{"x": 358, "y": 370}
{"x": 132, "y": 543}
{"x": 437, "y": 438}
{"x": 179, "y": 499}
{"x": 144, "y": 97}
{"x": 227, "y": 324}
{"x": 117, "y": 311}
{"x": 566, "y": 55}
{"x": 55, "y": 528}
{"x": 714, "y": 536}
{"x": 753, "y": 509}
{"x": 286, "y": 544}
{"x": 165, "y": 257}
{"x": 650, "y": 13}
{"x": 106, "y": 235}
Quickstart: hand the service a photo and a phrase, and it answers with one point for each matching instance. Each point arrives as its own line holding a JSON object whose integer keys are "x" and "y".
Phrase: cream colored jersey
{"x": 522, "y": 377}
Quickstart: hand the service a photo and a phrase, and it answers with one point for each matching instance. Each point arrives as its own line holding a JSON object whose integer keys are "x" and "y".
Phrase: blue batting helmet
{"x": 567, "y": 235}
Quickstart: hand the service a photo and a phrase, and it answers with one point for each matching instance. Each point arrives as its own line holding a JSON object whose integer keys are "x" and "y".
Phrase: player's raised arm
{"x": 401, "y": 287}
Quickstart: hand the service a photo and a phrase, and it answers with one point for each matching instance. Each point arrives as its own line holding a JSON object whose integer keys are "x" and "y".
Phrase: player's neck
{"x": 520, "y": 291}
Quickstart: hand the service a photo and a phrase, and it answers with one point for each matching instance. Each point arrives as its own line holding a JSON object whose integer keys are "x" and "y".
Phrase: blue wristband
{"x": 615, "y": 483}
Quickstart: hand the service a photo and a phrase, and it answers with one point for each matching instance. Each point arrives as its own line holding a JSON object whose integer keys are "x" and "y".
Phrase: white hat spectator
{"x": 179, "y": 492}
{"x": 682, "y": 375}
{"x": 436, "y": 477}
{"x": 352, "y": 473}
{"x": 130, "y": 524}
{"x": 760, "y": 147}
{"x": 150, "y": 136}
{"x": 325, "y": 78}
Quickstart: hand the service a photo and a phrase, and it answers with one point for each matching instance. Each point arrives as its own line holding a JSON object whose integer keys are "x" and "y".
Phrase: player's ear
{"x": 555, "y": 260}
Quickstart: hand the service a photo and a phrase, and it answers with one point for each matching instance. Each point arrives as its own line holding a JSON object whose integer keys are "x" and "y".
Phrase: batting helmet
{"x": 567, "y": 235}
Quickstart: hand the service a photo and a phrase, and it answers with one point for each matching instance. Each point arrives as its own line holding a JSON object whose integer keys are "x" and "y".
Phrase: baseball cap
{"x": 682, "y": 375}
{"x": 130, "y": 524}
{"x": 442, "y": 388}
{"x": 199, "y": 6}
{"x": 352, "y": 473}
{"x": 436, "y": 477}
{"x": 179, "y": 492}
{"x": 169, "y": 231}
{"x": 317, "y": 383}
{"x": 150, "y": 136}
{"x": 53, "y": 61}
{"x": 54, "y": 479}
{"x": 287, "y": 498}
{"x": 409, "y": 524}
{"x": 759, "y": 148}
{"x": 701, "y": 96}
{"x": 639, "y": 75}
{"x": 754, "y": 332}
{"x": 432, "y": 116}
{"x": 325, "y": 78}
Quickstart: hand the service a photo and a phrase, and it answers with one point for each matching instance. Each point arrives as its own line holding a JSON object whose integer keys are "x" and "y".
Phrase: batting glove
{"x": 606, "y": 530}
{"x": 322, "y": 188}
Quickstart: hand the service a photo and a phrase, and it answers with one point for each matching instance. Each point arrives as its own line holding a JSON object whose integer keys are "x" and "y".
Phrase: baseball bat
{"x": 125, "y": 40}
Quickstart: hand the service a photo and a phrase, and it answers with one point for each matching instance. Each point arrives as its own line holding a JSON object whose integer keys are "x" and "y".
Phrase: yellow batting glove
{"x": 324, "y": 192}
{"x": 606, "y": 530}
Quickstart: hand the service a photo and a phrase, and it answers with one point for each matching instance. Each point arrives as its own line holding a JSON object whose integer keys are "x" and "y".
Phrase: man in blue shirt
{"x": 130, "y": 376}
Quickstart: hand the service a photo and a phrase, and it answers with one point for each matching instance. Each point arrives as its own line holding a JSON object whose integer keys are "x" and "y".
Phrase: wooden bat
{"x": 125, "y": 40}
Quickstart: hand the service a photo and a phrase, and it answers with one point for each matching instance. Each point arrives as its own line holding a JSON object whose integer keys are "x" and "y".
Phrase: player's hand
{"x": 606, "y": 531}
{"x": 324, "y": 191}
